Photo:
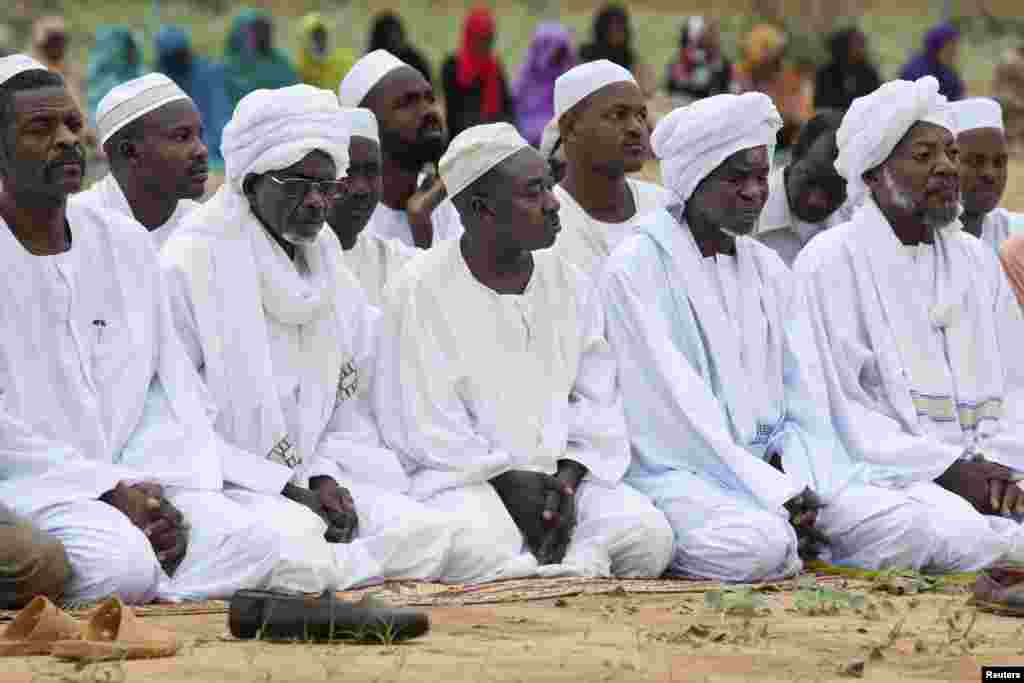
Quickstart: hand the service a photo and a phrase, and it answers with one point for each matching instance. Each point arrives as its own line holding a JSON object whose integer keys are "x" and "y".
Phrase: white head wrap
{"x": 133, "y": 99}
{"x": 693, "y": 141}
{"x": 876, "y": 123}
{"x": 549, "y": 138}
{"x": 977, "y": 112}
{"x": 584, "y": 80}
{"x": 362, "y": 124}
{"x": 365, "y": 74}
{"x": 475, "y": 151}
{"x": 273, "y": 129}
{"x": 15, "y": 64}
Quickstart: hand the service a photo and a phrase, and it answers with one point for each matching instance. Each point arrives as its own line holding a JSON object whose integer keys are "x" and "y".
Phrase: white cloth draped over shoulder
{"x": 106, "y": 194}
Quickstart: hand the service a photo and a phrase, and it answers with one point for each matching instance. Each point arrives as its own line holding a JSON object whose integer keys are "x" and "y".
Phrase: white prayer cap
{"x": 977, "y": 112}
{"x": 134, "y": 99}
{"x": 584, "y": 80}
{"x": 365, "y": 74}
{"x": 876, "y": 123}
{"x": 362, "y": 124}
{"x": 693, "y": 141}
{"x": 273, "y": 129}
{"x": 475, "y": 151}
{"x": 15, "y": 64}
{"x": 549, "y": 139}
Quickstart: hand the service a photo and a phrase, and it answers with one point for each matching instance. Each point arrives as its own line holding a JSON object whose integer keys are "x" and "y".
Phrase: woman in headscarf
{"x": 50, "y": 47}
{"x": 549, "y": 56}
{"x": 849, "y": 75}
{"x": 475, "y": 88}
{"x": 941, "y": 44}
{"x": 113, "y": 60}
{"x": 201, "y": 79}
{"x": 319, "y": 65}
{"x": 250, "y": 58}
{"x": 701, "y": 70}
{"x": 613, "y": 40}
{"x": 387, "y": 33}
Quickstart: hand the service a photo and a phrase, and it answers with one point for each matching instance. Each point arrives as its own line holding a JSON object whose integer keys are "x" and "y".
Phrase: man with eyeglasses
{"x": 285, "y": 340}
{"x": 152, "y": 134}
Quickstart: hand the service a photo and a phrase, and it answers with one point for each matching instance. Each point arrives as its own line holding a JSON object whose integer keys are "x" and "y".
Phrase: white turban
{"x": 475, "y": 151}
{"x": 133, "y": 99}
{"x": 584, "y": 80}
{"x": 977, "y": 112}
{"x": 365, "y": 74}
{"x": 876, "y": 123}
{"x": 362, "y": 124}
{"x": 273, "y": 129}
{"x": 15, "y": 64}
{"x": 693, "y": 141}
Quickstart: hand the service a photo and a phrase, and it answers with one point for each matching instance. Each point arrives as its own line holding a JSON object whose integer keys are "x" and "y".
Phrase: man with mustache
{"x": 413, "y": 208}
{"x": 496, "y": 385}
{"x": 807, "y": 196}
{"x": 719, "y": 377}
{"x": 371, "y": 259}
{"x": 153, "y": 136}
{"x": 602, "y": 124}
{"x": 107, "y": 444}
{"x": 917, "y": 330}
{"x": 286, "y": 342}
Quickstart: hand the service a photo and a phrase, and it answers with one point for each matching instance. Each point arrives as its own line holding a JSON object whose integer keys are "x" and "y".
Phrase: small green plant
{"x": 741, "y": 601}
{"x": 814, "y": 599}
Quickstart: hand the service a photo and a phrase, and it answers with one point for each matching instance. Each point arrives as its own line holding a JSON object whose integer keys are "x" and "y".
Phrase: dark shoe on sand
{"x": 1000, "y": 589}
{"x": 277, "y": 616}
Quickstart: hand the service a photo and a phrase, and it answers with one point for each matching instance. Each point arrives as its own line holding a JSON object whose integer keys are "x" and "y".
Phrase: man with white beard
{"x": 917, "y": 329}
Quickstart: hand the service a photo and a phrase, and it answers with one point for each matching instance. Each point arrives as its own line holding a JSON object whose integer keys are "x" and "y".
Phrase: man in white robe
{"x": 285, "y": 340}
{"x": 105, "y": 442}
{"x": 718, "y": 368}
{"x": 602, "y": 122}
{"x": 984, "y": 165}
{"x": 414, "y": 208}
{"x": 152, "y": 135}
{"x": 807, "y": 196}
{"x": 372, "y": 259}
{"x": 917, "y": 329}
{"x": 497, "y": 388}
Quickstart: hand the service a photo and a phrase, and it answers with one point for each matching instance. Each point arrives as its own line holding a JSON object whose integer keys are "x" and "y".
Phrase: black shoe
{"x": 278, "y": 616}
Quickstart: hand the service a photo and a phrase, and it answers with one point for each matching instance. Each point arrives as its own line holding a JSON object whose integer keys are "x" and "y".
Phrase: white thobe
{"x": 374, "y": 260}
{"x": 904, "y": 423}
{"x": 106, "y": 195}
{"x": 585, "y": 242}
{"x": 783, "y": 232}
{"x": 472, "y": 384}
{"x": 393, "y": 224}
{"x": 718, "y": 371}
{"x": 95, "y": 389}
{"x": 398, "y": 539}
{"x": 999, "y": 224}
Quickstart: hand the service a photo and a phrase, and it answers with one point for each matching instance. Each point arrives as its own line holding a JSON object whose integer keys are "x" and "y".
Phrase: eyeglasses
{"x": 298, "y": 188}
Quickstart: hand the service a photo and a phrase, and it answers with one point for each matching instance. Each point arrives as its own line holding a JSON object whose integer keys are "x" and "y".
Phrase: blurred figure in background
{"x": 701, "y": 70}
{"x": 388, "y": 33}
{"x": 549, "y": 56}
{"x": 50, "y": 48}
{"x": 317, "y": 64}
{"x": 941, "y": 46}
{"x": 250, "y": 58}
{"x": 1008, "y": 90}
{"x": 6, "y": 41}
{"x": 475, "y": 88}
{"x": 202, "y": 80}
{"x": 849, "y": 75}
{"x": 114, "y": 60}
{"x": 613, "y": 40}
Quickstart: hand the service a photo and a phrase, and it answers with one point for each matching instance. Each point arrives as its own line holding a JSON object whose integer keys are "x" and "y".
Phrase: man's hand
{"x": 560, "y": 512}
{"x": 340, "y": 508}
{"x": 311, "y": 499}
{"x": 803, "y": 515}
{"x": 983, "y": 484}
{"x": 145, "y": 506}
{"x": 419, "y": 209}
{"x": 543, "y": 507}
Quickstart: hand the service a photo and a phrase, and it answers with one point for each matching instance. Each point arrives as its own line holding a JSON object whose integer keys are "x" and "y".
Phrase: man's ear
{"x": 128, "y": 149}
{"x": 872, "y": 176}
{"x": 567, "y": 128}
{"x": 480, "y": 205}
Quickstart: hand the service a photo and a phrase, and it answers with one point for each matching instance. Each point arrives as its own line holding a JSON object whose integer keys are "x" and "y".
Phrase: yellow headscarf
{"x": 323, "y": 71}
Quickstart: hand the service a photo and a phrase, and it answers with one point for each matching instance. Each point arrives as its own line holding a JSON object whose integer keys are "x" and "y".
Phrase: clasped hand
{"x": 332, "y": 503}
{"x": 147, "y": 508}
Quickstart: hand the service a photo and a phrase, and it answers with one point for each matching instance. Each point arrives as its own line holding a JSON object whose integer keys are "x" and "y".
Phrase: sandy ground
{"x": 605, "y": 638}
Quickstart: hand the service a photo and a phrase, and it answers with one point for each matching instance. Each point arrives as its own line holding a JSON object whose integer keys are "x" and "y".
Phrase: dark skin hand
{"x": 420, "y": 207}
{"x": 144, "y": 504}
{"x": 988, "y": 486}
{"x": 803, "y": 515}
{"x": 332, "y": 503}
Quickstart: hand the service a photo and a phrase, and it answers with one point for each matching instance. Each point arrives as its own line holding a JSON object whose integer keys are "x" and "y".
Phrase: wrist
{"x": 320, "y": 480}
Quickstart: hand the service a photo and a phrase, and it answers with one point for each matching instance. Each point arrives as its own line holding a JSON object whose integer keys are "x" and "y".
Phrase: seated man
{"x": 496, "y": 385}
{"x": 153, "y": 138}
{"x": 285, "y": 340}
{"x": 31, "y": 563}
{"x": 371, "y": 259}
{"x": 719, "y": 375}
{"x": 807, "y": 196}
{"x": 106, "y": 443}
{"x": 918, "y": 331}
{"x": 983, "y": 171}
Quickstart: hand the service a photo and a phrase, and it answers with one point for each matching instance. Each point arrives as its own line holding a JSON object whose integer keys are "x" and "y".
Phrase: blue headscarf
{"x": 115, "y": 59}
{"x": 927, "y": 62}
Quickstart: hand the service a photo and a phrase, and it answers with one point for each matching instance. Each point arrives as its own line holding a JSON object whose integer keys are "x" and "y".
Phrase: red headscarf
{"x": 472, "y": 65}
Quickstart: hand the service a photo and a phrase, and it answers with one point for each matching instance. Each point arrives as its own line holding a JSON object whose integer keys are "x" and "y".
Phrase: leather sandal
{"x": 36, "y": 628}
